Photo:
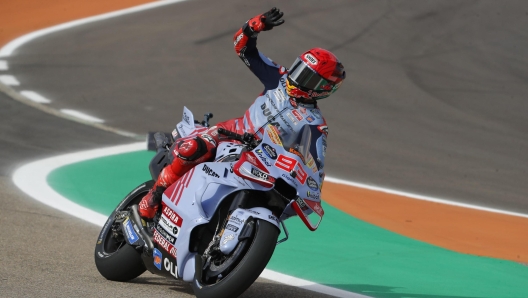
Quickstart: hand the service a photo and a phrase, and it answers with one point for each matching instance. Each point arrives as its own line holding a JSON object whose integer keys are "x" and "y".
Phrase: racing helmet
{"x": 315, "y": 74}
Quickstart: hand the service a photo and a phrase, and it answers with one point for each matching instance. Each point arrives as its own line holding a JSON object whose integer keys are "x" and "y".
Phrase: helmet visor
{"x": 306, "y": 78}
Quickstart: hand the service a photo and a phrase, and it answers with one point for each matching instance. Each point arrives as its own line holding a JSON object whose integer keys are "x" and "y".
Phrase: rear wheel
{"x": 114, "y": 258}
{"x": 230, "y": 276}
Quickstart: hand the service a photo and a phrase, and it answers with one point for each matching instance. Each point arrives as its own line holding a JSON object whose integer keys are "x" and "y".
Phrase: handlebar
{"x": 246, "y": 138}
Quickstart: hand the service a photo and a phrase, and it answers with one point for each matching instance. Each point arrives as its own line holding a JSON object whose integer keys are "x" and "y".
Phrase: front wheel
{"x": 114, "y": 258}
{"x": 248, "y": 268}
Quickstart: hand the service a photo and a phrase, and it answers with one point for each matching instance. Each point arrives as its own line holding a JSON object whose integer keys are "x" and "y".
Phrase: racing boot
{"x": 150, "y": 203}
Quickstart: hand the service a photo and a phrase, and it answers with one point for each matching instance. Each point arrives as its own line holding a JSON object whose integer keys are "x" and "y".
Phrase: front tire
{"x": 114, "y": 258}
{"x": 247, "y": 270}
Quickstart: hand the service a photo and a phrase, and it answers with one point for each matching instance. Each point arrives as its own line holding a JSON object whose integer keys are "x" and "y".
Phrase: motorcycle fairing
{"x": 194, "y": 198}
{"x": 236, "y": 222}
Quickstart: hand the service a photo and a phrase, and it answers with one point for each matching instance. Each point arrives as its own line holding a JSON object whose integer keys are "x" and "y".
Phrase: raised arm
{"x": 245, "y": 42}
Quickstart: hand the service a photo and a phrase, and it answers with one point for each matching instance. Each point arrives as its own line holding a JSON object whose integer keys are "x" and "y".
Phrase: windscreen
{"x": 309, "y": 144}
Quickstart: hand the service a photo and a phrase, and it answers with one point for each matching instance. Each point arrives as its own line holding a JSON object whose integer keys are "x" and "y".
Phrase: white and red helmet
{"x": 315, "y": 74}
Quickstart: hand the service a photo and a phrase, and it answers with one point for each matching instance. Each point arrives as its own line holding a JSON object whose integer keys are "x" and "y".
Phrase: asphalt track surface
{"x": 433, "y": 103}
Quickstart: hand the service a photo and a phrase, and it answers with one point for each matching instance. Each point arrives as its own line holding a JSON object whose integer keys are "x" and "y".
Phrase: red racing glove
{"x": 266, "y": 21}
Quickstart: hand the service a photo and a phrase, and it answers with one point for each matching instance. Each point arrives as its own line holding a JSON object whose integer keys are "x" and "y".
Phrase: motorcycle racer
{"x": 289, "y": 101}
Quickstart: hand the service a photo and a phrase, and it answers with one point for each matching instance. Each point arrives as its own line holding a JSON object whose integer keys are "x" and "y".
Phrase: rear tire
{"x": 247, "y": 270}
{"x": 114, "y": 258}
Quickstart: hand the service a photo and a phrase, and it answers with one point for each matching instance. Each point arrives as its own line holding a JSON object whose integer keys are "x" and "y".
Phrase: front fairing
{"x": 298, "y": 160}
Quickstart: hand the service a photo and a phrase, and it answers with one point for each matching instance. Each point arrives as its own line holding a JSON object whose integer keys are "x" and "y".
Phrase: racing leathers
{"x": 273, "y": 106}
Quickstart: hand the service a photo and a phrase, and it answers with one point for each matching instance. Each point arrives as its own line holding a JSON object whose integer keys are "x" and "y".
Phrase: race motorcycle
{"x": 219, "y": 224}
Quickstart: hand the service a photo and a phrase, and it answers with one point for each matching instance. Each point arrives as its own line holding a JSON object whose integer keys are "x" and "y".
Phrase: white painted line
{"x": 3, "y": 65}
{"x": 422, "y": 197}
{"x": 34, "y": 96}
{"x": 9, "y": 80}
{"x": 32, "y": 179}
{"x": 308, "y": 285}
{"x": 9, "y": 48}
{"x": 81, "y": 115}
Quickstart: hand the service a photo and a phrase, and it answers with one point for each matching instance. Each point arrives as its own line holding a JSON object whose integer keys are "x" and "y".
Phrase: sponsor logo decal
{"x": 172, "y": 216}
{"x": 169, "y": 226}
{"x": 297, "y": 115}
{"x": 228, "y": 238}
{"x": 317, "y": 94}
{"x": 313, "y": 195}
{"x": 130, "y": 233}
{"x": 293, "y": 102}
{"x": 311, "y": 163}
{"x": 301, "y": 174}
{"x": 289, "y": 178}
{"x": 157, "y": 258}
{"x": 297, "y": 153}
{"x": 279, "y": 95}
{"x": 285, "y": 163}
{"x": 210, "y": 171}
{"x": 187, "y": 119}
{"x": 165, "y": 234}
{"x": 232, "y": 228}
{"x": 269, "y": 151}
{"x": 273, "y": 135}
{"x": 302, "y": 204}
{"x": 310, "y": 119}
{"x": 260, "y": 154}
{"x": 316, "y": 206}
{"x": 158, "y": 238}
{"x": 259, "y": 174}
{"x": 312, "y": 184}
{"x": 170, "y": 267}
{"x": 251, "y": 159}
{"x": 238, "y": 38}
{"x": 311, "y": 59}
{"x": 236, "y": 220}
{"x": 292, "y": 119}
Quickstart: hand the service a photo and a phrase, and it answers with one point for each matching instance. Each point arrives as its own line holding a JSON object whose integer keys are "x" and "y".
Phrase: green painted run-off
{"x": 344, "y": 252}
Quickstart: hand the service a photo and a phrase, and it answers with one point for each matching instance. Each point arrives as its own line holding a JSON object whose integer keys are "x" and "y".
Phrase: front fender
{"x": 237, "y": 222}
